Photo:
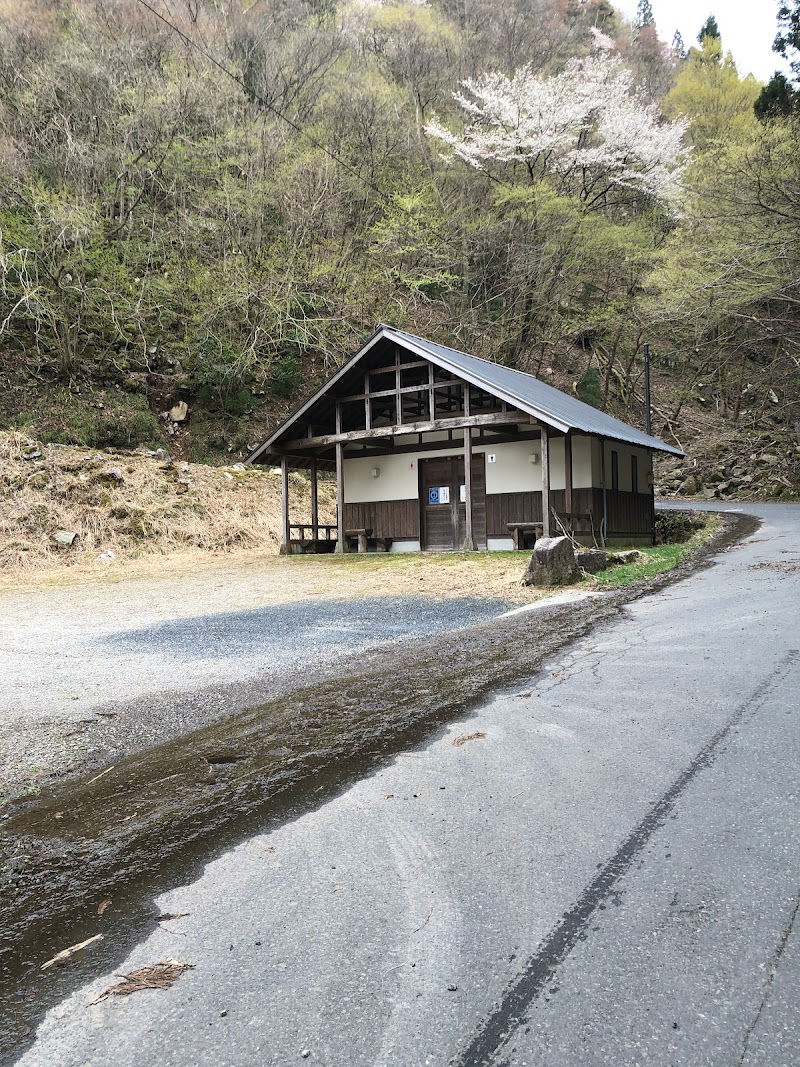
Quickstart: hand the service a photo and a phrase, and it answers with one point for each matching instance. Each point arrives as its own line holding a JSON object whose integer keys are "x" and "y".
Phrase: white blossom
{"x": 602, "y": 40}
{"x": 588, "y": 127}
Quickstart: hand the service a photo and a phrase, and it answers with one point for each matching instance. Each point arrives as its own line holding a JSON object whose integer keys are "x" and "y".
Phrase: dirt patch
{"x": 126, "y": 506}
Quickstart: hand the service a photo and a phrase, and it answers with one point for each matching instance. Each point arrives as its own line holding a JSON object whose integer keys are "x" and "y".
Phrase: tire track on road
{"x": 511, "y": 1012}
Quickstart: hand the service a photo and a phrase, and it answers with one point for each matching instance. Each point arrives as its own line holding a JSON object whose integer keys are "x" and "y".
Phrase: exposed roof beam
{"x": 437, "y": 425}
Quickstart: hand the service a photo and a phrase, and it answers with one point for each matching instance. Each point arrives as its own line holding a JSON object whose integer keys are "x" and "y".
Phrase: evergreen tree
{"x": 644, "y": 14}
{"x": 709, "y": 29}
{"x": 787, "y": 41}
{"x": 777, "y": 99}
{"x": 678, "y": 47}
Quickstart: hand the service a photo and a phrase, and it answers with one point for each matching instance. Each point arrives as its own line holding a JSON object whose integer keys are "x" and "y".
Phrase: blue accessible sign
{"x": 433, "y": 496}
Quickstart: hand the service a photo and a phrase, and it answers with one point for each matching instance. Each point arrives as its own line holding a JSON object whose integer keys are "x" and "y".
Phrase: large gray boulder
{"x": 592, "y": 560}
{"x": 552, "y": 563}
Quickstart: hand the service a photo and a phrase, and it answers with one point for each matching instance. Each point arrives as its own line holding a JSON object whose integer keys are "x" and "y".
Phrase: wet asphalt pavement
{"x": 605, "y": 870}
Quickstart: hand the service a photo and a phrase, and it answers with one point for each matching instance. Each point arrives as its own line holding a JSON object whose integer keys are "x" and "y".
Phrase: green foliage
{"x": 644, "y": 14}
{"x": 654, "y": 561}
{"x": 777, "y": 100}
{"x": 676, "y": 527}
{"x": 708, "y": 31}
{"x": 286, "y": 376}
{"x": 119, "y": 420}
{"x": 787, "y": 39}
{"x": 163, "y": 230}
{"x": 589, "y": 390}
{"x": 710, "y": 93}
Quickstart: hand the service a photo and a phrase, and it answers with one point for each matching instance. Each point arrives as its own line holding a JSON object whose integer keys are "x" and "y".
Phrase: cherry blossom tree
{"x": 587, "y": 128}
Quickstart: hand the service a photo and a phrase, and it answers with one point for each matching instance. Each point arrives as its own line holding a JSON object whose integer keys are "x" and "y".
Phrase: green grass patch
{"x": 656, "y": 559}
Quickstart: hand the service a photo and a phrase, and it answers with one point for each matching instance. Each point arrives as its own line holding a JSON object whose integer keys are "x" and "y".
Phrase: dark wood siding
{"x": 438, "y": 524}
{"x": 478, "y": 502}
{"x": 502, "y": 508}
{"x": 386, "y": 518}
{"x": 628, "y": 513}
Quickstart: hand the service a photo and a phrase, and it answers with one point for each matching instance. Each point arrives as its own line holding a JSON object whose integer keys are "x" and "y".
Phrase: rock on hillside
{"x": 60, "y": 505}
{"x": 753, "y": 467}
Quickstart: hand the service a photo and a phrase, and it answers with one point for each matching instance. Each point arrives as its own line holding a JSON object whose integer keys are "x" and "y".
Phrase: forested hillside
{"x": 215, "y": 203}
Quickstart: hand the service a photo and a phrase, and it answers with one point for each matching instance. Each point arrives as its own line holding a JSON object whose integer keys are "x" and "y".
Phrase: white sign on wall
{"x": 462, "y": 494}
{"x": 444, "y": 494}
{"x": 491, "y": 458}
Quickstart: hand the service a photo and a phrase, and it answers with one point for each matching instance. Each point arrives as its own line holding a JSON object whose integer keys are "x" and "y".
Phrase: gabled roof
{"x": 547, "y": 404}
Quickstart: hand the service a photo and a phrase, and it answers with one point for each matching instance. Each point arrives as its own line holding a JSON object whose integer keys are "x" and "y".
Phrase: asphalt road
{"x": 607, "y": 874}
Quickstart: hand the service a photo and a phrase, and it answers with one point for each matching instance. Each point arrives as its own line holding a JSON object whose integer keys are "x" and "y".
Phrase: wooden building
{"x": 435, "y": 449}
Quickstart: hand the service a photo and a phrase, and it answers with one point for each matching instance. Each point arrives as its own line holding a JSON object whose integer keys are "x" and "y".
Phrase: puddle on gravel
{"x": 155, "y": 818}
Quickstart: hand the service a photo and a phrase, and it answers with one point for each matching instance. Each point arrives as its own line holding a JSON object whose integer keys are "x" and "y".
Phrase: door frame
{"x": 455, "y": 503}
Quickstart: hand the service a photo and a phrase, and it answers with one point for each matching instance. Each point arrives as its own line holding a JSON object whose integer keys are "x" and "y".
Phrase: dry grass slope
{"x": 133, "y": 505}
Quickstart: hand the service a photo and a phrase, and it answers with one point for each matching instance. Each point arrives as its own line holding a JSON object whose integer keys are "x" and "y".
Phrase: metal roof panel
{"x": 544, "y": 401}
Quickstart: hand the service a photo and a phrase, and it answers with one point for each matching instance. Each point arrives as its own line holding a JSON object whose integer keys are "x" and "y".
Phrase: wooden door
{"x": 478, "y": 502}
{"x": 443, "y": 511}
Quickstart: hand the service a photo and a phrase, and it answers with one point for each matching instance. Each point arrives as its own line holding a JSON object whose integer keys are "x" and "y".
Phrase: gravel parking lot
{"x": 94, "y": 671}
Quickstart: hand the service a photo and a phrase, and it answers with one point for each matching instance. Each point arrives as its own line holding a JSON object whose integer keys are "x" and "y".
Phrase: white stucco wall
{"x": 624, "y": 453}
{"x": 398, "y": 478}
{"x": 511, "y": 471}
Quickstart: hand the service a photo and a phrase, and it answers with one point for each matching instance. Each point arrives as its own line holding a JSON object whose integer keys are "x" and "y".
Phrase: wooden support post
{"x": 340, "y": 540}
{"x": 314, "y": 501}
{"x": 285, "y": 546}
{"x": 469, "y": 537}
{"x": 545, "y": 483}
{"x": 367, "y": 404}
{"x": 431, "y": 400}
{"x": 568, "y": 473}
{"x": 398, "y": 394}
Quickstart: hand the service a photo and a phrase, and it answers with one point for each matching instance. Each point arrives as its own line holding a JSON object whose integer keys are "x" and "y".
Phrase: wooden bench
{"x": 521, "y": 530}
{"x": 302, "y": 539}
{"x": 358, "y": 538}
{"x": 363, "y": 541}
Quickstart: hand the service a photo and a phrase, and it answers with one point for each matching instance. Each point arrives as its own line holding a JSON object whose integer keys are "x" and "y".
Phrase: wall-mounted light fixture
{"x": 533, "y": 457}
{"x": 375, "y": 472}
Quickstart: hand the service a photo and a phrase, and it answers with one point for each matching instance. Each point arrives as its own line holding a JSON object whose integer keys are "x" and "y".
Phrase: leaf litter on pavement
{"x": 158, "y": 976}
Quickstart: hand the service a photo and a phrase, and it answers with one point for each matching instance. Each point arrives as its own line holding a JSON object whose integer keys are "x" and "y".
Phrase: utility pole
{"x": 648, "y": 430}
{"x": 647, "y": 424}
